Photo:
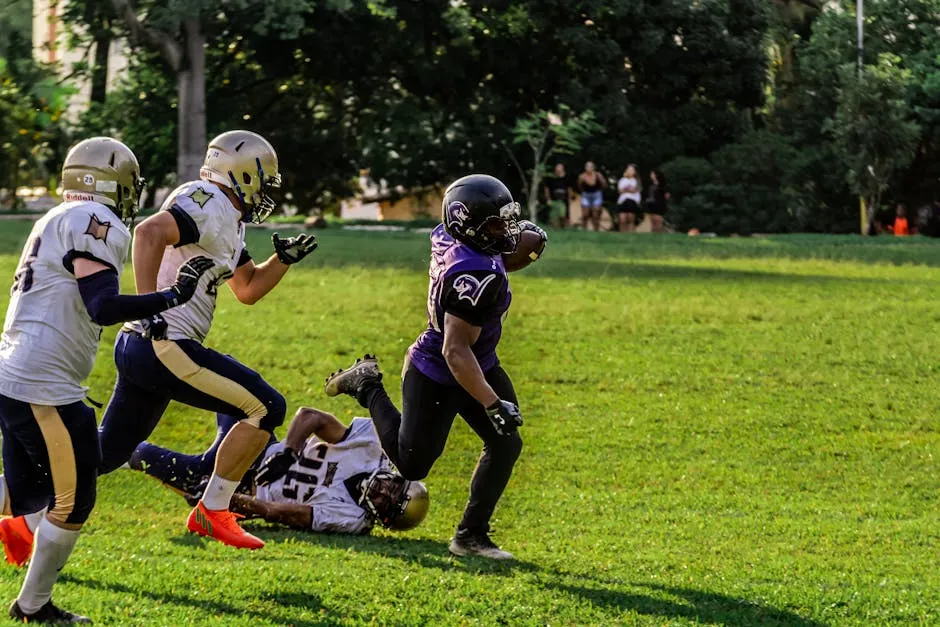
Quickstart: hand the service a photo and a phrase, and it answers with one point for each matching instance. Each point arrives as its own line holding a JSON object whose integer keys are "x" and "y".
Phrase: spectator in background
{"x": 591, "y": 184}
{"x": 628, "y": 200}
{"x": 656, "y": 200}
{"x": 557, "y": 195}
{"x": 900, "y": 220}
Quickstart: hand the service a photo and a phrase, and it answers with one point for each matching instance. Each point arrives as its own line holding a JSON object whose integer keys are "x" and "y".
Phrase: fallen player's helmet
{"x": 394, "y": 501}
{"x": 479, "y": 211}
{"x": 246, "y": 163}
{"x": 103, "y": 170}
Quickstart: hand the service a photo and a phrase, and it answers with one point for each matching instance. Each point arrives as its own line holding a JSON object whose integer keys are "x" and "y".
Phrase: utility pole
{"x": 860, "y": 19}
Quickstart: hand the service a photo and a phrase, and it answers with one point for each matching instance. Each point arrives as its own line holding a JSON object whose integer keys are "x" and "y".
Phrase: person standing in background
{"x": 591, "y": 184}
{"x": 628, "y": 200}
{"x": 656, "y": 200}
{"x": 557, "y": 194}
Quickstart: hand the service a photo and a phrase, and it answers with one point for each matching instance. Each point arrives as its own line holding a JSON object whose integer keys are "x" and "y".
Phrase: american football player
{"x": 64, "y": 290}
{"x": 322, "y": 477}
{"x": 452, "y": 367}
{"x": 164, "y": 358}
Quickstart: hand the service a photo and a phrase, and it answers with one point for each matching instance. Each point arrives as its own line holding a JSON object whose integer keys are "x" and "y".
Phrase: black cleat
{"x": 48, "y": 614}
{"x": 465, "y": 543}
{"x": 363, "y": 373}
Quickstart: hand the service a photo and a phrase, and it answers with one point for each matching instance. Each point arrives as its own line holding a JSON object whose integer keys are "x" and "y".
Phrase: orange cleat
{"x": 17, "y": 540}
{"x": 221, "y": 525}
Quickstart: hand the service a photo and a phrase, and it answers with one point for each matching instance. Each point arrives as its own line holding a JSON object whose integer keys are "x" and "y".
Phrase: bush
{"x": 744, "y": 187}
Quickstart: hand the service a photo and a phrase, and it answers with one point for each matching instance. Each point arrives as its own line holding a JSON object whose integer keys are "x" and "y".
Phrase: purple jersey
{"x": 470, "y": 285}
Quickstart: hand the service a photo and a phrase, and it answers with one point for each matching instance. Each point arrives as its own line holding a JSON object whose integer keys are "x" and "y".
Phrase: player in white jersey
{"x": 64, "y": 290}
{"x": 204, "y": 217}
{"x": 322, "y": 477}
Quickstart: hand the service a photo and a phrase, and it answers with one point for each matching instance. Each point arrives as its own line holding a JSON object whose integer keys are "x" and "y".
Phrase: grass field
{"x": 728, "y": 432}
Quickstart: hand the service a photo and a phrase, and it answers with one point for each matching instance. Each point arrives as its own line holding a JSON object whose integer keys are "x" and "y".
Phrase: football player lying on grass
{"x": 322, "y": 477}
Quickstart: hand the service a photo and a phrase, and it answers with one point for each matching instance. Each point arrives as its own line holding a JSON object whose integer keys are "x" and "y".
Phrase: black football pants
{"x": 414, "y": 438}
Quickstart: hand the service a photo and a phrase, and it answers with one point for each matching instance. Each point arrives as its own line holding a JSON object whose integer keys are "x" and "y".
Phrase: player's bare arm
{"x": 459, "y": 336}
{"x": 252, "y": 282}
{"x": 306, "y": 422}
{"x": 290, "y": 514}
{"x": 151, "y": 237}
{"x": 309, "y": 421}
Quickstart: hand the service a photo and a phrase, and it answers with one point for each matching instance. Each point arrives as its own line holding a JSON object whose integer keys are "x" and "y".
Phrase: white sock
{"x": 33, "y": 520}
{"x": 219, "y": 492}
{"x": 51, "y": 551}
{"x": 4, "y": 506}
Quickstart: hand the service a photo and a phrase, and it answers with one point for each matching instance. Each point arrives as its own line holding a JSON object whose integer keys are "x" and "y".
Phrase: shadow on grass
{"x": 419, "y": 552}
{"x": 698, "y": 606}
{"x": 307, "y": 601}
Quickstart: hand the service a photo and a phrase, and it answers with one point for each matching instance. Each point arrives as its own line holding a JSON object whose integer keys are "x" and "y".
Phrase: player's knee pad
{"x": 73, "y": 507}
{"x": 276, "y": 410}
{"x": 507, "y": 447}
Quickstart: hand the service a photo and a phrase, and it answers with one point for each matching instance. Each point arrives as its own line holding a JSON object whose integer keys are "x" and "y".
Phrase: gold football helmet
{"x": 394, "y": 501}
{"x": 246, "y": 163}
{"x": 104, "y": 170}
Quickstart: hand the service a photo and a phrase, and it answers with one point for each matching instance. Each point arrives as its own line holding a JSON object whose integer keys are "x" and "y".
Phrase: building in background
{"x": 50, "y": 45}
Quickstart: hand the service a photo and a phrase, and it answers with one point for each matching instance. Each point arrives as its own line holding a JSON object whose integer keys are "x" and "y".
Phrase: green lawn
{"x": 717, "y": 431}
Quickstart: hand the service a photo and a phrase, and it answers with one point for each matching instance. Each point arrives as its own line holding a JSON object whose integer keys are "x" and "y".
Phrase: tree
{"x": 178, "y": 32}
{"x": 547, "y": 134}
{"x": 873, "y": 129}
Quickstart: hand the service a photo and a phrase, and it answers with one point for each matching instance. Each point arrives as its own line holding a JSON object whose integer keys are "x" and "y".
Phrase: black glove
{"x": 526, "y": 225}
{"x": 154, "y": 327}
{"x": 505, "y": 417}
{"x": 275, "y": 466}
{"x": 187, "y": 278}
{"x": 293, "y": 249}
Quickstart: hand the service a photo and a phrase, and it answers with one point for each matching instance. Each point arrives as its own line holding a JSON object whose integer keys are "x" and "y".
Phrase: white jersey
{"x": 210, "y": 226}
{"x": 49, "y": 341}
{"x": 629, "y": 189}
{"x": 318, "y": 478}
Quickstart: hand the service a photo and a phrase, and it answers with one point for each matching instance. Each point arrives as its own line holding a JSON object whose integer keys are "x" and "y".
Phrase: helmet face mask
{"x": 479, "y": 211}
{"x": 247, "y": 164}
{"x": 394, "y": 501}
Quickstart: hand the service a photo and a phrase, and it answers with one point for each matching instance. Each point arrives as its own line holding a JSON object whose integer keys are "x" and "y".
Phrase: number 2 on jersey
{"x": 23, "y": 279}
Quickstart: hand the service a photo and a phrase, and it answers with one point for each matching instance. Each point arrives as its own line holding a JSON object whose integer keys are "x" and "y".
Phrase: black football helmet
{"x": 479, "y": 211}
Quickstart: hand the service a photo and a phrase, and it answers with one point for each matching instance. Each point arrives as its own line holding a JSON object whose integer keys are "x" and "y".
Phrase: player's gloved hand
{"x": 293, "y": 249}
{"x": 187, "y": 278}
{"x": 527, "y": 225}
{"x": 275, "y": 466}
{"x": 154, "y": 327}
{"x": 505, "y": 417}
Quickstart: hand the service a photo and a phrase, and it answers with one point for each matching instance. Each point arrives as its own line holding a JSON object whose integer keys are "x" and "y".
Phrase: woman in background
{"x": 656, "y": 200}
{"x": 591, "y": 184}
{"x": 628, "y": 200}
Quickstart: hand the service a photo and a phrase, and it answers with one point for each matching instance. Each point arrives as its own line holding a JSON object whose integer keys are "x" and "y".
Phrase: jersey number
{"x": 295, "y": 478}
{"x": 23, "y": 279}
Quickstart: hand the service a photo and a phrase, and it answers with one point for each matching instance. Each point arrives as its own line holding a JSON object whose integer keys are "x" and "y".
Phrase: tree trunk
{"x": 191, "y": 110}
{"x": 99, "y": 72}
{"x": 533, "y": 199}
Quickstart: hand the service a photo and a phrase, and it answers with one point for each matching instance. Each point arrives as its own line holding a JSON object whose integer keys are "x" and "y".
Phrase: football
{"x": 529, "y": 249}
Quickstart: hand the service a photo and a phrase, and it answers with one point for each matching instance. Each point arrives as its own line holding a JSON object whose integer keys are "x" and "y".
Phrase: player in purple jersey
{"x": 452, "y": 367}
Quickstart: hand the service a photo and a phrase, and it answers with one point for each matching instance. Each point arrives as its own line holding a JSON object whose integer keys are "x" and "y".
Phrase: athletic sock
{"x": 51, "y": 551}
{"x": 33, "y": 520}
{"x": 218, "y": 492}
